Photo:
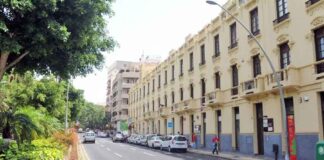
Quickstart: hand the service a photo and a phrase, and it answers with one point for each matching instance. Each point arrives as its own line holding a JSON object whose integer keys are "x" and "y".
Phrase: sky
{"x": 150, "y": 28}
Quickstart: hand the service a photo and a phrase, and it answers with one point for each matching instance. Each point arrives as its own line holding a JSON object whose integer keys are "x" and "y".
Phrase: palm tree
{"x": 20, "y": 124}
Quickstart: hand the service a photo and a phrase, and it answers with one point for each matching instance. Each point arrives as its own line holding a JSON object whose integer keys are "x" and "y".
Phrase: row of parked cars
{"x": 170, "y": 142}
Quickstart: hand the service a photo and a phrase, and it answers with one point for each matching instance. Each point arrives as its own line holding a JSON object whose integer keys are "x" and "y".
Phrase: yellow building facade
{"x": 219, "y": 83}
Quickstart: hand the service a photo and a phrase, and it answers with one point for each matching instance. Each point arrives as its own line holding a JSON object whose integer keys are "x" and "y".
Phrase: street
{"x": 105, "y": 149}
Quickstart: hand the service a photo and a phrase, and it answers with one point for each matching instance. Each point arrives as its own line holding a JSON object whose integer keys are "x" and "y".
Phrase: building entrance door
{"x": 204, "y": 129}
{"x": 181, "y": 125}
{"x": 291, "y": 128}
{"x": 260, "y": 134}
{"x": 237, "y": 127}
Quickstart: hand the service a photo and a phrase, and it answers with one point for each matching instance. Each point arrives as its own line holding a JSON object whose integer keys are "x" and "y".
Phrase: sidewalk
{"x": 82, "y": 154}
{"x": 228, "y": 155}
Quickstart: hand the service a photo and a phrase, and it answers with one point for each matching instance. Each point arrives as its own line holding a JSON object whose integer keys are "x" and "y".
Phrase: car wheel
{"x": 170, "y": 149}
{"x": 185, "y": 150}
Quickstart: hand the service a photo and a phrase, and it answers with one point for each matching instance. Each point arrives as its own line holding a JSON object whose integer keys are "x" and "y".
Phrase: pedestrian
{"x": 215, "y": 141}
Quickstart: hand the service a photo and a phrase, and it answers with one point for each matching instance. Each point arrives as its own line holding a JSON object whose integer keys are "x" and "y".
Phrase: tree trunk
{"x": 6, "y": 131}
{"x": 3, "y": 63}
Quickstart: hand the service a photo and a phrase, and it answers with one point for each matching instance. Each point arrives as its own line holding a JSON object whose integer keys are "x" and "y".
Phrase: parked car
{"x": 131, "y": 139}
{"x": 154, "y": 142}
{"x": 174, "y": 142}
{"x": 102, "y": 134}
{"x": 89, "y": 137}
{"x": 138, "y": 139}
{"x": 118, "y": 137}
{"x": 145, "y": 138}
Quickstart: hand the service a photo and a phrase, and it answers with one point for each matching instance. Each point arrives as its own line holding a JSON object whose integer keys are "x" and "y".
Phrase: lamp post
{"x": 281, "y": 92}
{"x": 67, "y": 105}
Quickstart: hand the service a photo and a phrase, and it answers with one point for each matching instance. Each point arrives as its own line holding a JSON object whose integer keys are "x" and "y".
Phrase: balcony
{"x": 150, "y": 115}
{"x": 165, "y": 111}
{"x": 214, "y": 98}
{"x": 288, "y": 77}
{"x": 232, "y": 45}
{"x": 311, "y": 2}
{"x": 281, "y": 19}
{"x": 253, "y": 87}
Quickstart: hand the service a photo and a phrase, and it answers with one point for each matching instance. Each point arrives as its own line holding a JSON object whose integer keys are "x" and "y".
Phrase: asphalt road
{"x": 105, "y": 149}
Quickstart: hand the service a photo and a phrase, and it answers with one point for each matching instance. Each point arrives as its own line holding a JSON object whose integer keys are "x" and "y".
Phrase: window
{"x": 282, "y": 11}
{"x": 233, "y": 36}
{"x": 254, "y": 21}
{"x": 148, "y": 88}
{"x": 217, "y": 80}
{"x": 172, "y": 73}
{"x": 202, "y": 55}
{"x": 181, "y": 94}
{"x": 153, "y": 85}
{"x": 191, "y": 91}
{"x": 234, "y": 80}
{"x": 143, "y": 91}
{"x": 284, "y": 56}
{"x": 159, "y": 81}
{"x": 191, "y": 62}
{"x": 181, "y": 67}
{"x": 319, "y": 44}
{"x": 172, "y": 97}
{"x": 165, "y": 77}
{"x": 216, "y": 46}
{"x": 256, "y": 66}
{"x": 203, "y": 90}
{"x": 159, "y": 101}
{"x": 165, "y": 100}
{"x": 153, "y": 105}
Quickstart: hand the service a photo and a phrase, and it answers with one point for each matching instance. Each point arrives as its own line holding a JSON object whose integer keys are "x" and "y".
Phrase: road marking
{"x": 133, "y": 149}
{"x": 149, "y": 154}
{"x": 118, "y": 155}
{"x": 108, "y": 149}
{"x": 102, "y": 145}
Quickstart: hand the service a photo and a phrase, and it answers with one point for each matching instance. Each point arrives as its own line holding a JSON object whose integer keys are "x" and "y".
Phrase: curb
{"x": 208, "y": 154}
{"x": 82, "y": 154}
{"x": 225, "y": 156}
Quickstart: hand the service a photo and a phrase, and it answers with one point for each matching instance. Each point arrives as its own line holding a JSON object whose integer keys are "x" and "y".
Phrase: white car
{"x": 89, "y": 137}
{"x": 154, "y": 142}
{"x": 118, "y": 137}
{"x": 174, "y": 142}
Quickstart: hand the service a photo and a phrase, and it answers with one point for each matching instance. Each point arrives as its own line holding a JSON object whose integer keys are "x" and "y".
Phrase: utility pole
{"x": 67, "y": 105}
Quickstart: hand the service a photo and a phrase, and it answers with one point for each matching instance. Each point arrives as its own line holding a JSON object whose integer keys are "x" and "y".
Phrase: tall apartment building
{"x": 122, "y": 75}
{"x": 219, "y": 82}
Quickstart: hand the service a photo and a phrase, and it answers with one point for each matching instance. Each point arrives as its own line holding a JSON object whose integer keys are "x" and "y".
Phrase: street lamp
{"x": 67, "y": 105}
{"x": 281, "y": 93}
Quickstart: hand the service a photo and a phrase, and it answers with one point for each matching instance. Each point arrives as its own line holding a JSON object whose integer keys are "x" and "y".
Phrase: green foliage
{"x": 40, "y": 149}
{"x": 92, "y": 116}
{"x": 62, "y": 37}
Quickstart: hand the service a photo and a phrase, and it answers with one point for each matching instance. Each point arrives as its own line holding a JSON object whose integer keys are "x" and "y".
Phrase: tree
{"x": 93, "y": 116}
{"x": 61, "y": 37}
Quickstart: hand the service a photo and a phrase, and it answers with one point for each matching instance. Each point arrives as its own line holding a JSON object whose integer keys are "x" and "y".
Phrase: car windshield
{"x": 89, "y": 134}
{"x": 180, "y": 138}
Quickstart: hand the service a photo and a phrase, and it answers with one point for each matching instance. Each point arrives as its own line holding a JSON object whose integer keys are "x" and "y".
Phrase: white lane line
{"x": 108, "y": 149}
{"x": 118, "y": 155}
{"x": 149, "y": 154}
{"x": 133, "y": 149}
